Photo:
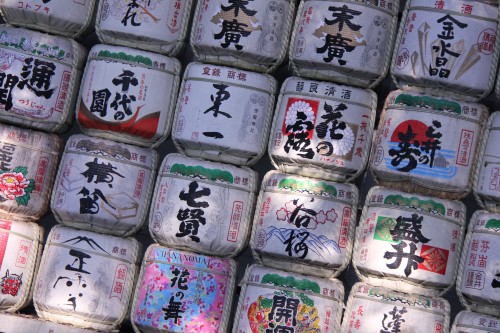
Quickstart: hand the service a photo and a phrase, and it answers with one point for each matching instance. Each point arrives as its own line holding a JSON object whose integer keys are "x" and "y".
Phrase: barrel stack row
{"x": 203, "y": 209}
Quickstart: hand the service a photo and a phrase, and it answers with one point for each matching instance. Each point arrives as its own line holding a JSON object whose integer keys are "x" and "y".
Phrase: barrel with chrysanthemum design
{"x": 28, "y": 161}
{"x": 322, "y": 130}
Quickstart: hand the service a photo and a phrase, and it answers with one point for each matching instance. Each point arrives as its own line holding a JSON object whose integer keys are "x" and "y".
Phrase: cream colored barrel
{"x": 20, "y": 250}
{"x": 428, "y": 144}
{"x": 40, "y": 77}
{"x": 409, "y": 242}
{"x": 28, "y": 163}
{"x": 16, "y": 323}
{"x": 104, "y": 186}
{"x": 304, "y": 225}
{"x": 377, "y": 309}
{"x": 247, "y": 34}
{"x": 158, "y": 26}
{"x": 128, "y": 95}
{"x": 202, "y": 206}
{"x": 60, "y": 17}
{"x": 471, "y": 322}
{"x": 322, "y": 129}
{"x": 85, "y": 278}
{"x": 448, "y": 46}
{"x": 486, "y": 187}
{"x": 346, "y": 42}
{"x": 223, "y": 114}
{"x": 478, "y": 277}
{"x": 312, "y": 304}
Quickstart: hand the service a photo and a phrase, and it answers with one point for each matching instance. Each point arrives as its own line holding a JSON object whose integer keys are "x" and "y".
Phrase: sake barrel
{"x": 223, "y": 114}
{"x": 304, "y": 225}
{"x": 471, "y": 322}
{"x": 20, "y": 249}
{"x": 428, "y": 144}
{"x": 478, "y": 280}
{"x": 448, "y": 46}
{"x": 28, "y": 163}
{"x": 252, "y": 35}
{"x": 104, "y": 186}
{"x": 202, "y": 206}
{"x": 347, "y": 42}
{"x": 322, "y": 129}
{"x": 311, "y": 304}
{"x": 179, "y": 291}
{"x": 409, "y": 242}
{"x": 15, "y": 323}
{"x": 128, "y": 95}
{"x": 156, "y": 25}
{"x": 85, "y": 278}
{"x": 486, "y": 186}
{"x": 59, "y": 17}
{"x": 39, "y": 77}
{"x": 373, "y": 309}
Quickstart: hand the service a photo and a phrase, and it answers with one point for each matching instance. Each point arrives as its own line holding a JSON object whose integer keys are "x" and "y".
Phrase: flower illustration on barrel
{"x": 15, "y": 186}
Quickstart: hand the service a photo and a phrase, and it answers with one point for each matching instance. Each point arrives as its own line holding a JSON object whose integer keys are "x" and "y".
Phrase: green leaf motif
{"x": 30, "y": 187}
{"x": 492, "y": 224}
{"x": 291, "y": 282}
{"x": 21, "y": 169}
{"x": 23, "y": 201}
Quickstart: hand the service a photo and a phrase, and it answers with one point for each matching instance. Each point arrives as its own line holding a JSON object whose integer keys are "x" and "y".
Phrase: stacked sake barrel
{"x": 103, "y": 188}
{"x": 428, "y": 150}
{"x": 40, "y": 77}
{"x": 202, "y": 208}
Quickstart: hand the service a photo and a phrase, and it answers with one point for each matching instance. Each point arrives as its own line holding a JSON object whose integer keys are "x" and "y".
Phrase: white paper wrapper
{"x": 59, "y": 17}
{"x": 223, "y": 114}
{"x": 28, "y": 162}
{"x": 486, "y": 186}
{"x": 260, "y": 42}
{"x": 409, "y": 242}
{"x": 202, "y": 206}
{"x": 128, "y": 95}
{"x": 85, "y": 279}
{"x": 428, "y": 144}
{"x": 20, "y": 249}
{"x": 304, "y": 225}
{"x": 159, "y": 26}
{"x": 448, "y": 46}
{"x": 333, "y": 141}
{"x": 347, "y": 42}
{"x": 478, "y": 280}
{"x": 470, "y": 322}
{"x": 373, "y": 309}
{"x": 40, "y": 76}
{"x": 104, "y": 186}
{"x": 311, "y": 304}
{"x": 180, "y": 291}
{"x": 27, "y": 324}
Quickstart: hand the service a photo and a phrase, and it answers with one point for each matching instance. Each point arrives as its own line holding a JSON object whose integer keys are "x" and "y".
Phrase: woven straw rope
{"x": 249, "y": 206}
{"x": 78, "y": 319}
{"x": 410, "y": 183}
{"x": 167, "y": 48}
{"x": 87, "y": 225}
{"x": 350, "y": 80}
{"x": 130, "y": 138}
{"x": 321, "y": 171}
{"x": 229, "y": 59}
{"x": 400, "y": 283}
{"x": 444, "y": 88}
{"x": 201, "y": 152}
{"x": 297, "y": 266}
{"x": 470, "y": 305}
